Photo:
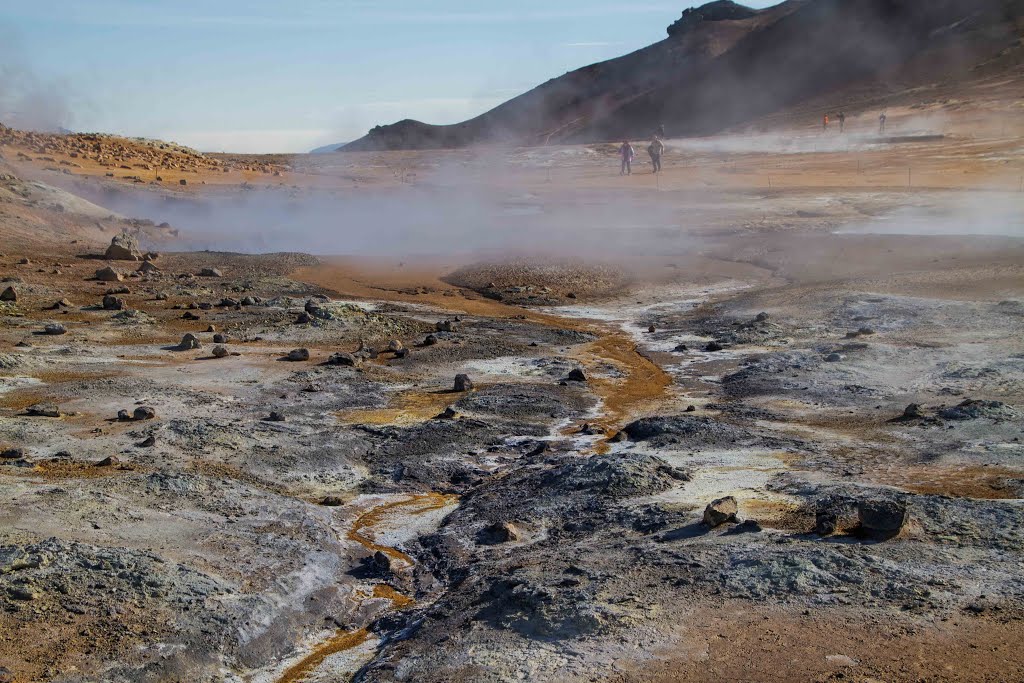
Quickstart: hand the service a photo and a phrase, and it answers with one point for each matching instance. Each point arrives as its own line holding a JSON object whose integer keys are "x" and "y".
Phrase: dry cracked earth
{"x": 791, "y": 453}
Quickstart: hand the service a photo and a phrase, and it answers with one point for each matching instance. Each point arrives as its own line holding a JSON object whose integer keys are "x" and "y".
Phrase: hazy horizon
{"x": 260, "y": 77}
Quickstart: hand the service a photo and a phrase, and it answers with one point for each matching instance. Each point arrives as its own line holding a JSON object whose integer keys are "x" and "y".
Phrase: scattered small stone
{"x": 332, "y": 501}
{"x": 210, "y": 272}
{"x": 691, "y": 409}
{"x": 303, "y": 319}
{"x": 113, "y": 303}
{"x": 220, "y": 338}
{"x": 298, "y": 355}
{"x": 211, "y": 328}
{"x": 448, "y": 413}
{"x": 13, "y": 454}
{"x": 833, "y": 358}
{"x": 570, "y": 295}
{"x": 720, "y": 511}
{"x": 713, "y": 347}
{"x": 681, "y": 348}
{"x": 762, "y": 317}
{"x": 219, "y": 351}
{"x": 55, "y": 329}
{"x": 499, "y": 532}
{"x": 275, "y": 416}
{"x": 108, "y": 274}
{"x": 913, "y": 412}
{"x": 429, "y": 340}
{"x": 445, "y": 326}
{"x": 189, "y": 342}
{"x": 63, "y": 303}
{"x": 43, "y": 410}
{"x": 748, "y": 526}
{"x": 463, "y": 383}
{"x": 22, "y": 593}
{"x": 144, "y": 413}
{"x": 881, "y": 518}
{"x": 123, "y": 416}
{"x": 109, "y": 461}
{"x": 394, "y": 346}
{"x": 148, "y": 442}
{"x": 189, "y": 315}
{"x": 343, "y": 359}
{"x": 826, "y": 522}
{"x": 9, "y": 295}
{"x": 576, "y": 375}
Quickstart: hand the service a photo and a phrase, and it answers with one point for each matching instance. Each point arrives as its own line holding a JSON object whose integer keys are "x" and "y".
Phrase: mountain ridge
{"x": 724, "y": 64}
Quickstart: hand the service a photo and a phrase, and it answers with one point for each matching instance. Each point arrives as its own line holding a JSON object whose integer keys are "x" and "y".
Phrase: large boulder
{"x": 881, "y": 518}
{"x": 9, "y": 295}
{"x": 108, "y": 274}
{"x": 720, "y": 511}
{"x": 188, "y": 342}
{"x": 463, "y": 383}
{"x": 124, "y": 247}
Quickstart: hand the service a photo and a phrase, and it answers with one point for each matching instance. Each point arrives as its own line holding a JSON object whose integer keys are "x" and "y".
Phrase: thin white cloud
{"x": 312, "y": 16}
{"x": 596, "y": 43}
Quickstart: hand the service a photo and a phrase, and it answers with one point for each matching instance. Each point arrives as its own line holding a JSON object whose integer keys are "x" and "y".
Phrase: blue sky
{"x": 273, "y": 76}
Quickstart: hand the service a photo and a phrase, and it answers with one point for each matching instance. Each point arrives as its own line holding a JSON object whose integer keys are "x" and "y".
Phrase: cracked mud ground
{"x": 350, "y": 514}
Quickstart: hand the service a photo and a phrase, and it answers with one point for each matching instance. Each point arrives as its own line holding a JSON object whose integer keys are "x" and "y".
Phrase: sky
{"x": 272, "y": 76}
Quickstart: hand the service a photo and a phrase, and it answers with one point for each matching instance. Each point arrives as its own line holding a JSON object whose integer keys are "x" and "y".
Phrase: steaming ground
{"x": 549, "y": 526}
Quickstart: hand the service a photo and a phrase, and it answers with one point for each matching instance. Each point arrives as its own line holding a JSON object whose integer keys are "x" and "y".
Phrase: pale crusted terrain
{"x": 329, "y": 517}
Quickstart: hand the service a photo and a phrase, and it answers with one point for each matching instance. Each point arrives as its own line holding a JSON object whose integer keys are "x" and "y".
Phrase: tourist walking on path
{"x": 656, "y": 149}
{"x": 627, "y": 153}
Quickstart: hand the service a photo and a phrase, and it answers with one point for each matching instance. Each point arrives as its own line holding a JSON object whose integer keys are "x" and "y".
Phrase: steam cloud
{"x": 28, "y": 101}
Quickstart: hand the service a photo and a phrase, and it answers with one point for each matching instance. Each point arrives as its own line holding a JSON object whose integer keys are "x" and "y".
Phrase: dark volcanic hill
{"x": 724, "y": 64}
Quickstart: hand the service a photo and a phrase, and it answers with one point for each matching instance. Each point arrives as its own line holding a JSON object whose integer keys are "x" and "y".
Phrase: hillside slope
{"x": 724, "y": 64}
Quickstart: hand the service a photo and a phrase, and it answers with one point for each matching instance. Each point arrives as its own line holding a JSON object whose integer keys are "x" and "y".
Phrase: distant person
{"x": 627, "y": 153}
{"x": 842, "y": 121}
{"x": 661, "y": 131}
{"x": 656, "y": 149}
{"x": 881, "y": 123}
{"x": 824, "y": 122}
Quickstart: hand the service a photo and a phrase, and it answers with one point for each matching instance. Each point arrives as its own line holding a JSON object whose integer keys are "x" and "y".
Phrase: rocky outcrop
{"x": 123, "y": 247}
{"x": 720, "y": 10}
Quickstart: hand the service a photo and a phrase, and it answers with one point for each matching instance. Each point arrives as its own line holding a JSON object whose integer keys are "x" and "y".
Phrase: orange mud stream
{"x": 341, "y": 641}
{"x": 643, "y": 386}
{"x": 346, "y": 640}
{"x": 407, "y": 407}
{"x": 420, "y": 504}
